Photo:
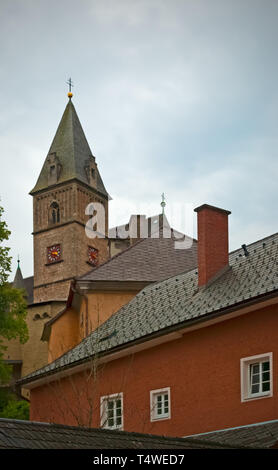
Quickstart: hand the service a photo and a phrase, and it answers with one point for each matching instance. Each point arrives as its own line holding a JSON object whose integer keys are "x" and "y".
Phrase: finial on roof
{"x": 18, "y": 262}
{"x": 163, "y": 203}
{"x": 70, "y": 84}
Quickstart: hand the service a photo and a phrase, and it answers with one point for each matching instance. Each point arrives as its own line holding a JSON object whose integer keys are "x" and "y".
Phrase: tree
{"x": 12, "y": 303}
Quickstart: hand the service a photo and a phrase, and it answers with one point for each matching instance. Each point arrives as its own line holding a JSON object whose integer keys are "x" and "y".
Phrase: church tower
{"x": 68, "y": 182}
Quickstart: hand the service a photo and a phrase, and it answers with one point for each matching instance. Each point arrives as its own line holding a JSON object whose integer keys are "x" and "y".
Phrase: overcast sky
{"x": 177, "y": 96}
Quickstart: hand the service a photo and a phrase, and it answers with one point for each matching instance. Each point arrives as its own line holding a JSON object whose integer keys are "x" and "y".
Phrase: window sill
{"x": 258, "y": 397}
{"x": 162, "y": 418}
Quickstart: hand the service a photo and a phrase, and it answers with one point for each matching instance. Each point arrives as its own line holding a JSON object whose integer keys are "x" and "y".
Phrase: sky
{"x": 174, "y": 96}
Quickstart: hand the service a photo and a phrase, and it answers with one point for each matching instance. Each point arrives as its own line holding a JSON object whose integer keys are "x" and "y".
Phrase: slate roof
{"x": 262, "y": 435}
{"x": 73, "y": 151}
{"x": 176, "y": 302}
{"x": 16, "y": 434}
{"x": 149, "y": 259}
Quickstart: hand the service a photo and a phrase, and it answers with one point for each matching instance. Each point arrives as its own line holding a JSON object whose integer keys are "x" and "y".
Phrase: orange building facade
{"x": 201, "y": 369}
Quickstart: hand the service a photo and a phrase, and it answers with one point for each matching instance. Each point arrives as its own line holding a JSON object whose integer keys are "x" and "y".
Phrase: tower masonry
{"x": 68, "y": 182}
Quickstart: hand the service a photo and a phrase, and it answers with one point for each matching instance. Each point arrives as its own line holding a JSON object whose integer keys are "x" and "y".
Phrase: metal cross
{"x": 163, "y": 203}
{"x": 69, "y": 82}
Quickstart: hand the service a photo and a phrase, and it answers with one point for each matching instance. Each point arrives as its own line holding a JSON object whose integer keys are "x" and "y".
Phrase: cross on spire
{"x": 70, "y": 84}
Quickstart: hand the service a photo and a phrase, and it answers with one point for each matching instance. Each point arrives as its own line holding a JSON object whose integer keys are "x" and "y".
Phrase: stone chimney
{"x": 213, "y": 242}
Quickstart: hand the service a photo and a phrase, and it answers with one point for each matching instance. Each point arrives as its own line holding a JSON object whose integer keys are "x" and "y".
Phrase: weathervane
{"x": 70, "y": 84}
{"x": 163, "y": 203}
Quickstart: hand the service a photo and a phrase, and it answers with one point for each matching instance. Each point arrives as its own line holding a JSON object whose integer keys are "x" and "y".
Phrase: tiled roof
{"x": 73, "y": 151}
{"x": 149, "y": 259}
{"x": 16, "y": 434}
{"x": 262, "y": 435}
{"x": 175, "y": 302}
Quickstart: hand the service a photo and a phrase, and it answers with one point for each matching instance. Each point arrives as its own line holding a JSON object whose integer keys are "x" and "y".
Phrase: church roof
{"x": 176, "y": 303}
{"x": 72, "y": 150}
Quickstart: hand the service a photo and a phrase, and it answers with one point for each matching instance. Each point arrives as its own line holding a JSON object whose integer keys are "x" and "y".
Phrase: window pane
{"x": 119, "y": 421}
{"x": 266, "y": 376}
{"x": 118, "y": 411}
{"x": 256, "y": 379}
{"x": 118, "y": 403}
{"x": 166, "y": 410}
{"x": 255, "y": 368}
{"x": 255, "y": 389}
{"x": 159, "y": 398}
{"x": 265, "y": 366}
{"x": 266, "y": 387}
{"x": 111, "y": 422}
{"x": 110, "y": 405}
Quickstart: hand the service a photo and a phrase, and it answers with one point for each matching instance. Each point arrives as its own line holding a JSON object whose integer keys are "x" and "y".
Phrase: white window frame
{"x": 245, "y": 364}
{"x": 153, "y": 408}
{"x": 103, "y": 411}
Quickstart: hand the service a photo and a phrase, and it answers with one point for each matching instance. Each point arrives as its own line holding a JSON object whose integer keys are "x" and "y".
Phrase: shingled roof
{"x": 16, "y": 434}
{"x": 73, "y": 151}
{"x": 263, "y": 435}
{"x": 177, "y": 302}
{"x": 149, "y": 260}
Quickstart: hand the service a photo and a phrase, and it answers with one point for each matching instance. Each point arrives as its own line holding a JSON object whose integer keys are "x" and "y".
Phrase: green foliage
{"x": 16, "y": 409}
{"x": 11, "y": 407}
{"x": 12, "y": 303}
{"x": 5, "y": 260}
{"x": 5, "y": 396}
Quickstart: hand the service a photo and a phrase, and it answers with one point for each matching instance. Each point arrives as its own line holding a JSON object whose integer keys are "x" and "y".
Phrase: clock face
{"x": 54, "y": 253}
{"x": 93, "y": 256}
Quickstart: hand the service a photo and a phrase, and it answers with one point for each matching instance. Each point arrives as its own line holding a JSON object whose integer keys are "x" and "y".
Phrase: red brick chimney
{"x": 213, "y": 242}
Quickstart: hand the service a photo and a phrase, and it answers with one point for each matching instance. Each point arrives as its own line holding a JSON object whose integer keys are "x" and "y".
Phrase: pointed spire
{"x": 18, "y": 281}
{"x": 69, "y": 155}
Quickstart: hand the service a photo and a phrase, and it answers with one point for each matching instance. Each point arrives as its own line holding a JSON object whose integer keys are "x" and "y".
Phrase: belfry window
{"x": 54, "y": 213}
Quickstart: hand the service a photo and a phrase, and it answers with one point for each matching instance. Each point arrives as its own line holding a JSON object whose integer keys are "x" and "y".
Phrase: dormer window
{"x": 54, "y": 168}
{"x": 91, "y": 170}
{"x": 54, "y": 213}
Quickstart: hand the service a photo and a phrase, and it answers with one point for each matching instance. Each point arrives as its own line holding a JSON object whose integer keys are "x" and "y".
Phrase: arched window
{"x": 54, "y": 213}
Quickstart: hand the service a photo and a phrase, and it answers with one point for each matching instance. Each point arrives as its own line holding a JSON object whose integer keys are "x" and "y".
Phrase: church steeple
{"x": 68, "y": 182}
{"x": 18, "y": 281}
{"x": 69, "y": 156}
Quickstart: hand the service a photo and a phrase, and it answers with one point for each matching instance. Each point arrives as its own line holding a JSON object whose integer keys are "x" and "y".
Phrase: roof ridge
{"x": 255, "y": 242}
